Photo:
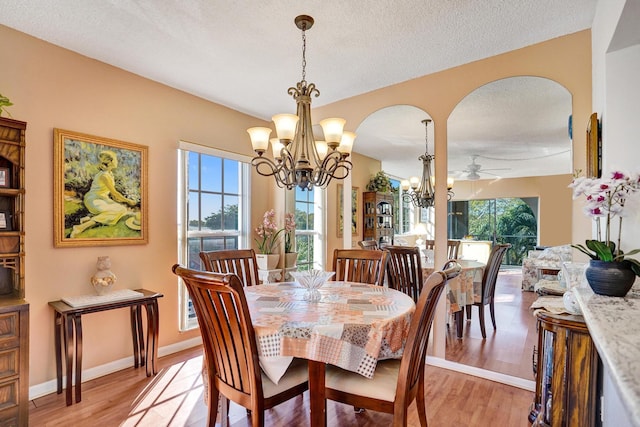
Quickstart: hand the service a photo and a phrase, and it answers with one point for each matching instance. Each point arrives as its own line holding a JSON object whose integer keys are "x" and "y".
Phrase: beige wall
{"x": 554, "y": 201}
{"x": 53, "y": 87}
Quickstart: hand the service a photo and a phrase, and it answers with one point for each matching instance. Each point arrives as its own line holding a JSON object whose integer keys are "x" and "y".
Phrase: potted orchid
{"x": 611, "y": 271}
{"x": 290, "y": 254}
{"x": 268, "y": 233}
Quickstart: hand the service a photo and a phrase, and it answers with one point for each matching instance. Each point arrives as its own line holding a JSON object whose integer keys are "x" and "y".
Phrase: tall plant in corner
{"x": 606, "y": 199}
{"x": 4, "y": 102}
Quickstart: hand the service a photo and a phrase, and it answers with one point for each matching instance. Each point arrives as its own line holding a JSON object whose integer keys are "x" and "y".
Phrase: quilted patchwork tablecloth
{"x": 460, "y": 290}
{"x": 353, "y": 326}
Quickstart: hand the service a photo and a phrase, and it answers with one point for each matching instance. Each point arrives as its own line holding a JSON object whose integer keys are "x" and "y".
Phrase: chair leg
{"x": 468, "y": 307}
{"x": 421, "y": 404}
{"x": 224, "y": 411}
{"x": 459, "y": 317}
{"x": 213, "y": 406}
{"x": 257, "y": 418}
{"x": 493, "y": 314}
{"x": 481, "y": 315}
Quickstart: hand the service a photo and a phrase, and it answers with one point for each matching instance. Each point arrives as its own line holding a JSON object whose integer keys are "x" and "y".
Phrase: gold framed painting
{"x": 594, "y": 147}
{"x": 355, "y": 211}
{"x": 100, "y": 191}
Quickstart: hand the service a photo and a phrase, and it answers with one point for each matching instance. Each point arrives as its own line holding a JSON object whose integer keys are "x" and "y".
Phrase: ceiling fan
{"x": 474, "y": 170}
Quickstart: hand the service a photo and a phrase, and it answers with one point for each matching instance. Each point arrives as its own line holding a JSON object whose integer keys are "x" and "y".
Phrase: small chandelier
{"x": 299, "y": 159}
{"x": 421, "y": 192}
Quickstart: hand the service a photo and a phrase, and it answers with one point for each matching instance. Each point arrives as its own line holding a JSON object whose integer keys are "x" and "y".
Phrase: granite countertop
{"x": 614, "y": 325}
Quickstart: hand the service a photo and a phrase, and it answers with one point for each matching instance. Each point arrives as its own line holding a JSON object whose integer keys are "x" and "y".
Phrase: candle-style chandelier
{"x": 299, "y": 159}
{"x": 421, "y": 192}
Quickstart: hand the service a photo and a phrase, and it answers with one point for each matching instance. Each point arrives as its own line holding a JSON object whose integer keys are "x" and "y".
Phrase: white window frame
{"x": 319, "y": 228}
{"x": 244, "y": 209}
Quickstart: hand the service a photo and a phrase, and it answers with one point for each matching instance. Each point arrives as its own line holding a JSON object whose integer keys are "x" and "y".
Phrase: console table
{"x": 68, "y": 317}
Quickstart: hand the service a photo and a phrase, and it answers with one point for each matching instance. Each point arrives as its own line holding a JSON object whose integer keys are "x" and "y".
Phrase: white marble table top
{"x": 614, "y": 325}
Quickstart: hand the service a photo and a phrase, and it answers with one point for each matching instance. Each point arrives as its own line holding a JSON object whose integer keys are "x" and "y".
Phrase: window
{"x": 506, "y": 220}
{"x": 213, "y": 209}
{"x": 309, "y": 217}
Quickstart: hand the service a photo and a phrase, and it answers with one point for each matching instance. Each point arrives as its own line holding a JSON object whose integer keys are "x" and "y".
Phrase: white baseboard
{"x": 48, "y": 387}
{"x": 528, "y": 385}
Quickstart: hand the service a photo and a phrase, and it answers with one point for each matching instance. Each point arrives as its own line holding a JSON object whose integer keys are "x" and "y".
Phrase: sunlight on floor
{"x": 169, "y": 395}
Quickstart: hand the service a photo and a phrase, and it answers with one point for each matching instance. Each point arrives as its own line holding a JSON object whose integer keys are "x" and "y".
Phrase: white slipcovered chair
{"x": 543, "y": 264}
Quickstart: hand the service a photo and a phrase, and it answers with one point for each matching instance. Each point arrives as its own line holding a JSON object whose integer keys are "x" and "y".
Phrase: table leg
{"x": 68, "y": 355}
{"x": 152, "y": 337}
{"x": 459, "y": 318}
{"x": 156, "y": 336}
{"x": 134, "y": 335}
{"x": 78, "y": 322}
{"x": 143, "y": 359}
{"x": 57, "y": 330}
{"x": 317, "y": 400}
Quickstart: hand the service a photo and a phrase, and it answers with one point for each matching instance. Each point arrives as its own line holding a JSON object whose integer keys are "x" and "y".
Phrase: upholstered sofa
{"x": 540, "y": 264}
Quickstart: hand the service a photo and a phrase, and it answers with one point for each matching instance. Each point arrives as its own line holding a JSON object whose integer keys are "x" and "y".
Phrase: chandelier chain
{"x": 304, "y": 53}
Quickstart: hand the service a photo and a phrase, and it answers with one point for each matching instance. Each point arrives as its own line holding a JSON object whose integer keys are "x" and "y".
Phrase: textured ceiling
{"x": 516, "y": 126}
{"x": 237, "y": 52}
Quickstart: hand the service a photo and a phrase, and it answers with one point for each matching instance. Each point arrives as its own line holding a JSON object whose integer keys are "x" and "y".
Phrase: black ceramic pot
{"x": 612, "y": 279}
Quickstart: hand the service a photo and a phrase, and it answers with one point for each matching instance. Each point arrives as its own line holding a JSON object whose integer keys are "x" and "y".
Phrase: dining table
{"x": 460, "y": 290}
{"x": 352, "y": 326}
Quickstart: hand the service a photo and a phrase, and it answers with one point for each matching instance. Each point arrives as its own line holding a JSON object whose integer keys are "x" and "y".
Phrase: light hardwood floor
{"x": 174, "y": 398}
{"x": 507, "y": 350}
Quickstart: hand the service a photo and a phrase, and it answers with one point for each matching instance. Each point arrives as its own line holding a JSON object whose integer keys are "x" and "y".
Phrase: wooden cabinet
{"x": 378, "y": 217}
{"x": 566, "y": 369}
{"x": 14, "y": 311}
{"x": 14, "y": 363}
{"x": 12, "y": 143}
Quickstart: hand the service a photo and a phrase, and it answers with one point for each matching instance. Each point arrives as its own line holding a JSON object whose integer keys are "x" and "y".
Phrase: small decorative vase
{"x": 612, "y": 279}
{"x": 290, "y": 259}
{"x": 267, "y": 261}
{"x": 104, "y": 279}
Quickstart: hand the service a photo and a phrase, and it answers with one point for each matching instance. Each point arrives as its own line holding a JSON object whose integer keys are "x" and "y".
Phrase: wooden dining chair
{"x": 230, "y": 349}
{"x": 453, "y": 247}
{"x": 430, "y": 244}
{"x": 360, "y": 265}
{"x": 368, "y": 244}
{"x": 241, "y": 262}
{"x": 404, "y": 270}
{"x": 484, "y": 291}
{"x": 396, "y": 383}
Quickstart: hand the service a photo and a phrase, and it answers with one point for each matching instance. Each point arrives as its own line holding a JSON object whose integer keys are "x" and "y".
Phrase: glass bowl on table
{"x": 311, "y": 280}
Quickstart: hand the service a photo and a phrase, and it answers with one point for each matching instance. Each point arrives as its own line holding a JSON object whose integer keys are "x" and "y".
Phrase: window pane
{"x": 302, "y": 217}
{"x": 193, "y": 211}
{"x": 213, "y": 243}
{"x": 211, "y": 172}
{"x": 193, "y": 171}
{"x": 230, "y": 212}
{"x": 231, "y": 176}
{"x": 231, "y": 242}
{"x": 211, "y": 211}
{"x": 193, "y": 256}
